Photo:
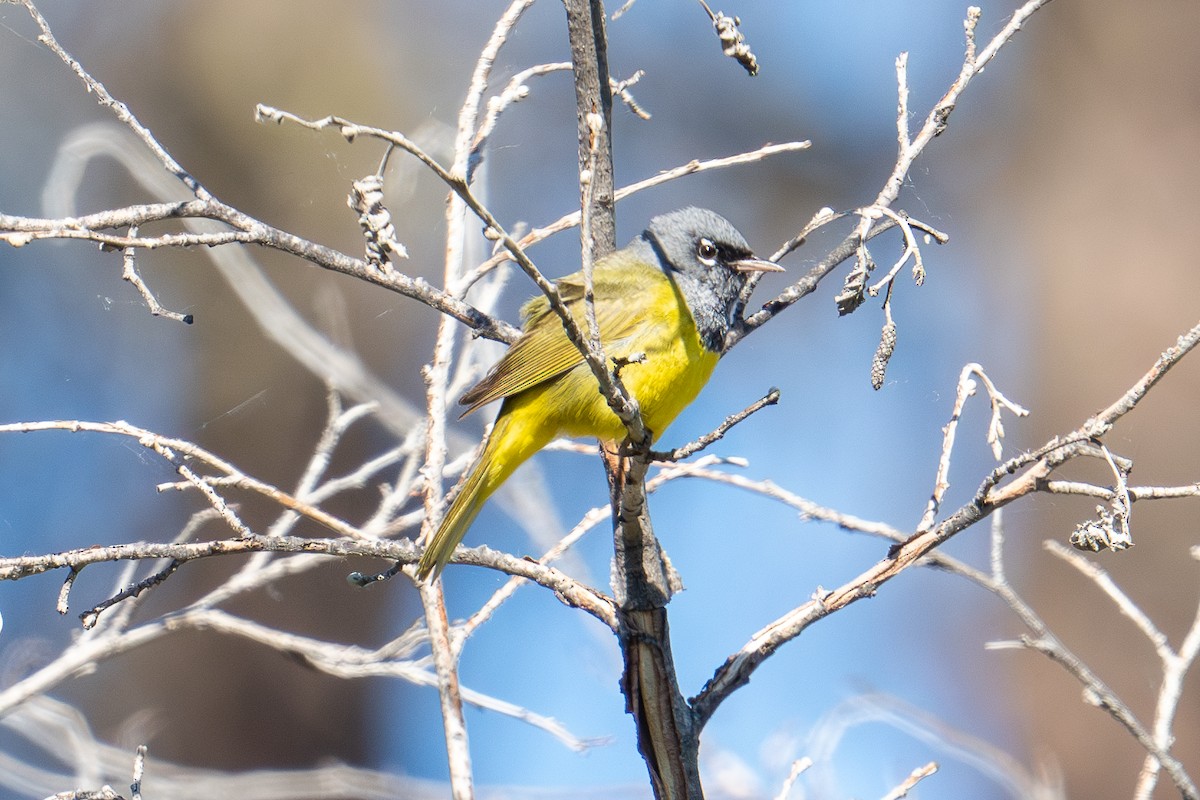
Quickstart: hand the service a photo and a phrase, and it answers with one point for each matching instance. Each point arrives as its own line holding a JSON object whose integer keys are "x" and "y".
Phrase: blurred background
{"x": 1066, "y": 182}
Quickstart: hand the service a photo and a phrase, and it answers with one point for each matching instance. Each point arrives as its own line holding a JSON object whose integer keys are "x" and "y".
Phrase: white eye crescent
{"x": 706, "y": 251}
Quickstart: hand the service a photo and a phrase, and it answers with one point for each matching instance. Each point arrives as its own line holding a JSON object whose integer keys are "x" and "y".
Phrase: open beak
{"x": 755, "y": 265}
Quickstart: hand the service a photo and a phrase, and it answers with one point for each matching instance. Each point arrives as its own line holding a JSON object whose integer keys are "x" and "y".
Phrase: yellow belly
{"x": 675, "y": 368}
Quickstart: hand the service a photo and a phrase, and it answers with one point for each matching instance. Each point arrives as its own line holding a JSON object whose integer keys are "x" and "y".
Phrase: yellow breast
{"x": 674, "y": 368}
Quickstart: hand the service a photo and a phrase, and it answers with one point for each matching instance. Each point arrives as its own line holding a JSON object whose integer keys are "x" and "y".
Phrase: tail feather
{"x": 509, "y": 445}
{"x": 459, "y": 516}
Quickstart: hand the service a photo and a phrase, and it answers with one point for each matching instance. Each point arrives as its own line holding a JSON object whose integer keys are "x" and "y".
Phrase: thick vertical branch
{"x": 642, "y": 580}
{"x": 668, "y": 738}
{"x": 593, "y": 96}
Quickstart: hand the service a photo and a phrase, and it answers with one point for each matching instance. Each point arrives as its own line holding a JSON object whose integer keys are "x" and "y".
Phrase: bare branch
{"x": 966, "y": 388}
{"x": 119, "y": 109}
{"x": 935, "y": 122}
{"x": 175, "y": 451}
{"x": 693, "y": 447}
{"x": 799, "y": 766}
{"x": 514, "y": 92}
{"x": 919, "y": 774}
{"x": 571, "y": 220}
{"x": 1103, "y": 581}
{"x": 458, "y": 754}
{"x": 589, "y": 520}
{"x": 354, "y": 662}
{"x": 733, "y": 42}
{"x": 618, "y": 401}
{"x": 130, "y": 274}
{"x": 90, "y": 617}
{"x": 18, "y": 231}
{"x": 737, "y": 669}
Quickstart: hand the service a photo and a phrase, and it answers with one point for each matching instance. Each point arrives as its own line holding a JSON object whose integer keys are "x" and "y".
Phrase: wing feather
{"x": 544, "y": 351}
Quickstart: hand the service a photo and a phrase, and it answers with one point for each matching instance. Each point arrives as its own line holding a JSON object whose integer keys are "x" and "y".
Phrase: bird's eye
{"x": 707, "y": 251}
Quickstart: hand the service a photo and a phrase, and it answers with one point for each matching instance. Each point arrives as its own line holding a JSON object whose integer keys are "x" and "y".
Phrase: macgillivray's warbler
{"x": 667, "y": 297}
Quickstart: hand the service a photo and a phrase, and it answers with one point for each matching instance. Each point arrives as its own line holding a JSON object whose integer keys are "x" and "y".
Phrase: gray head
{"x": 709, "y": 260}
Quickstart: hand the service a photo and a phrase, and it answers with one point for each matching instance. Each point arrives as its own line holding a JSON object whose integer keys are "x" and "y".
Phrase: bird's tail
{"x": 512, "y": 442}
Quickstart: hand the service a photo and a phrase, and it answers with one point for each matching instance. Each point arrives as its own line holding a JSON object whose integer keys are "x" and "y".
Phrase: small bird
{"x": 663, "y": 304}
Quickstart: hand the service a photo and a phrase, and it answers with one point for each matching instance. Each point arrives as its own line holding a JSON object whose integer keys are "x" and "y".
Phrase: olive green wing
{"x": 544, "y": 351}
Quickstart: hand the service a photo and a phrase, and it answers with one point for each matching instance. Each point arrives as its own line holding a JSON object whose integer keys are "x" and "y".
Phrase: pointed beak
{"x": 755, "y": 265}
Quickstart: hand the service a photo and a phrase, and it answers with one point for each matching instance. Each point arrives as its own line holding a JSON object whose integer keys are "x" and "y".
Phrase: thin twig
{"x": 618, "y": 400}
{"x": 90, "y": 617}
{"x": 799, "y": 766}
{"x": 437, "y": 377}
{"x": 122, "y": 112}
{"x": 176, "y": 451}
{"x": 908, "y": 784}
{"x": 458, "y": 753}
{"x": 130, "y": 273}
{"x": 1096, "y": 691}
{"x": 695, "y": 446}
{"x": 571, "y": 220}
{"x": 990, "y": 496}
{"x": 935, "y": 123}
{"x": 966, "y": 389}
